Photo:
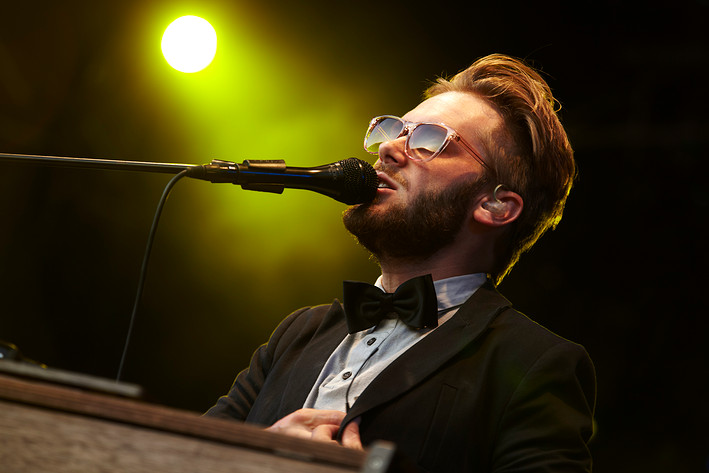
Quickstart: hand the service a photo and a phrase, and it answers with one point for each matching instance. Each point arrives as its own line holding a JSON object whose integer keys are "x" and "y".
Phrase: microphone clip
{"x": 219, "y": 171}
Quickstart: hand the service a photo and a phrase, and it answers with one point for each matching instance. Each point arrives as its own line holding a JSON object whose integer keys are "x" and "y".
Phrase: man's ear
{"x": 501, "y": 208}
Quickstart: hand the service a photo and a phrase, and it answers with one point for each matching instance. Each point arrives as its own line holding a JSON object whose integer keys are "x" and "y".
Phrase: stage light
{"x": 189, "y": 44}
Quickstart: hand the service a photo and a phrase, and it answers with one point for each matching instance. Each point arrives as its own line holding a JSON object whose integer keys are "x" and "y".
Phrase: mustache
{"x": 393, "y": 172}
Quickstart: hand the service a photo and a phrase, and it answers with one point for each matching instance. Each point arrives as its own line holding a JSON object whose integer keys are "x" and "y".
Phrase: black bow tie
{"x": 414, "y": 302}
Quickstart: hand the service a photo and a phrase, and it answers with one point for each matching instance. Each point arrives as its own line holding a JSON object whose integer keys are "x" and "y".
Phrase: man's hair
{"x": 530, "y": 154}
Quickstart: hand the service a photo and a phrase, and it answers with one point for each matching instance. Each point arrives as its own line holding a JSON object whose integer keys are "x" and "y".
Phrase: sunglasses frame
{"x": 408, "y": 129}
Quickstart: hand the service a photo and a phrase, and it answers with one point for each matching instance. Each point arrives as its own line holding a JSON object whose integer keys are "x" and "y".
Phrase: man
{"x": 469, "y": 179}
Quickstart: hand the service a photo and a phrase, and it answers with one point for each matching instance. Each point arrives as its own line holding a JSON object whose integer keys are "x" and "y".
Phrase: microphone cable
{"x": 144, "y": 266}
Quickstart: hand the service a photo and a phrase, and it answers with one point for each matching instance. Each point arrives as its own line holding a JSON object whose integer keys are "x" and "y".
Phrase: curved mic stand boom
{"x": 179, "y": 169}
{"x": 349, "y": 181}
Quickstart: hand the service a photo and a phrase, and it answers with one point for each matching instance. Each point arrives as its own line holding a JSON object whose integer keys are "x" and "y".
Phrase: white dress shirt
{"x": 361, "y": 356}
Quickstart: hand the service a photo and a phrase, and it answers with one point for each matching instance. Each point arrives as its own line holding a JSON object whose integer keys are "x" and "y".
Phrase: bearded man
{"x": 432, "y": 357}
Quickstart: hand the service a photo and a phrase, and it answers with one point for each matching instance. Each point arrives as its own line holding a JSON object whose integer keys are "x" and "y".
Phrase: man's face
{"x": 425, "y": 204}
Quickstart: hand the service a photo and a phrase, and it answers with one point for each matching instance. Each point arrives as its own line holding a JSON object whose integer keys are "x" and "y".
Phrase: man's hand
{"x": 321, "y": 425}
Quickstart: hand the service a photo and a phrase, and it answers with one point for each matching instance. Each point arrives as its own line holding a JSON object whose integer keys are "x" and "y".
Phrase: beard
{"x": 416, "y": 231}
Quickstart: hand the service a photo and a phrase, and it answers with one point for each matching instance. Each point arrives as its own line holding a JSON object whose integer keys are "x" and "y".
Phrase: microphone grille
{"x": 360, "y": 181}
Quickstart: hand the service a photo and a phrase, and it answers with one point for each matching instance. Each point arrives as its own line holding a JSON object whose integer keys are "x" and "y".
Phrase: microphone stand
{"x": 350, "y": 181}
{"x": 357, "y": 179}
{"x": 178, "y": 169}
{"x": 91, "y": 163}
{"x": 217, "y": 171}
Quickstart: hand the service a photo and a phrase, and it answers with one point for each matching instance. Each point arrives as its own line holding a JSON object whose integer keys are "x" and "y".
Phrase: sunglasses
{"x": 424, "y": 141}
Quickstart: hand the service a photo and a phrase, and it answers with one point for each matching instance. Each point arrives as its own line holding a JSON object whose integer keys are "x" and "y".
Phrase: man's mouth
{"x": 386, "y": 182}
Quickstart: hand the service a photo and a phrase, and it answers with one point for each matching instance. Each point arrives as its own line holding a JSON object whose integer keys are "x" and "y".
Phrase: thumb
{"x": 350, "y": 435}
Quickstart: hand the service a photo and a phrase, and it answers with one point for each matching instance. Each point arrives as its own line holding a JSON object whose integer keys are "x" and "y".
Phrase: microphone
{"x": 350, "y": 181}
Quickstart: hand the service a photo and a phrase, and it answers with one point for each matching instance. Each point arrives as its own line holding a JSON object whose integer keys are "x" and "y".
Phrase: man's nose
{"x": 394, "y": 152}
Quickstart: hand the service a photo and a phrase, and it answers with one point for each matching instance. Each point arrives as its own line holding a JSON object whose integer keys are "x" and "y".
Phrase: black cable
{"x": 347, "y": 393}
{"x": 144, "y": 267}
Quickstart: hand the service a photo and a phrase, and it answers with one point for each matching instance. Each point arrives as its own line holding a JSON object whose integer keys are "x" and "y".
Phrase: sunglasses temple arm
{"x": 474, "y": 153}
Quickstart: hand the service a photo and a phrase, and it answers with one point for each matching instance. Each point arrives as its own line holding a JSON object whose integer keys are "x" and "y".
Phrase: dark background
{"x": 624, "y": 274}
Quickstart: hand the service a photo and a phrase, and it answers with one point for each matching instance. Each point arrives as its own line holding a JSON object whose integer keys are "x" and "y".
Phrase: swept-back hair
{"x": 530, "y": 154}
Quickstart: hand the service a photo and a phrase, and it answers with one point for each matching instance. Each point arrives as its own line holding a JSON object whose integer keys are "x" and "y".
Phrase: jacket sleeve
{"x": 548, "y": 421}
{"x": 237, "y": 403}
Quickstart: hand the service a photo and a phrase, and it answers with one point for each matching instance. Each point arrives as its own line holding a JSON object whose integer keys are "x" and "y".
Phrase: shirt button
{"x": 371, "y": 341}
{"x": 346, "y": 374}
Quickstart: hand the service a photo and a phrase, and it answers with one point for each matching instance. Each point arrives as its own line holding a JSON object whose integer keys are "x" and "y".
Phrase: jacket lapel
{"x": 307, "y": 368}
{"x": 426, "y": 356}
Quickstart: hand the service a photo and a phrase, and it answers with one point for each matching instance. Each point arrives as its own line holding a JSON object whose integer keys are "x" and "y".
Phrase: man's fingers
{"x": 307, "y": 420}
{"x": 325, "y": 433}
{"x": 317, "y": 417}
{"x": 289, "y": 430}
{"x": 350, "y": 436}
{"x": 321, "y": 425}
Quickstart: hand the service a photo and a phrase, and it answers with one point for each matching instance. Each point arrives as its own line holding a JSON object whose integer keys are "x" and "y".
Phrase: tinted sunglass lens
{"x": 426, "y": 140}
{"x": 386, "y": 129}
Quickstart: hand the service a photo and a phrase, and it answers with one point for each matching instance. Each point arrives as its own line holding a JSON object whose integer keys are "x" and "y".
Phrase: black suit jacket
{"x": 489, "y": 390}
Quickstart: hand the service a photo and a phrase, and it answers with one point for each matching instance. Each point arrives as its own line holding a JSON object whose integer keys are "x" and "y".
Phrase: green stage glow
{"x": 189, "y": 44}
{"x": 265, "y": 96}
